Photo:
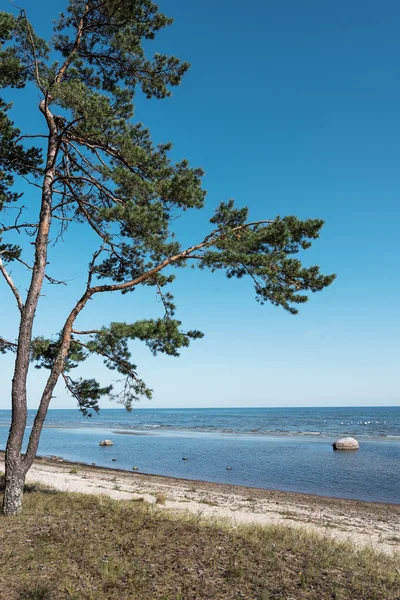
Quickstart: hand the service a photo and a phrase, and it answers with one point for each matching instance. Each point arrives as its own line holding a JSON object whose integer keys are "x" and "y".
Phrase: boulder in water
{"x": 106, "y": 443}
{"x": 348, "y": 443}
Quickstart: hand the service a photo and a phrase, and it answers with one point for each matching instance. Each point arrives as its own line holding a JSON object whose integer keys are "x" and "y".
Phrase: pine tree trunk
{"x": 14, "y": 468}
{"x": 14, "y": 486}
{"x": 16, "y": 465}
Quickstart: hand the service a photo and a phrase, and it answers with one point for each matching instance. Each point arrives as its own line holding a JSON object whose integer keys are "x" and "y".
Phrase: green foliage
{"x": 44, "y": 352}
{"x": 263, "y": 253}
{"x": 11, "y": 69}
{"x": 112, "y": 50}
{"x": 87, "y": 392}
{"x": 111, "y": 343}
{"x": 27, "y": 50}
{"x": 14, "y": 158}
{"x": 110, "y": 177}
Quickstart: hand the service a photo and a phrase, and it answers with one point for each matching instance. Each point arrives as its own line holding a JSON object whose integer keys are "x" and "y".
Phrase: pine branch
{"x": 6, "y": 344}
{"x": 12, "y": 285}
{"x": 75, "y": 47}
{"x": 209, "y": 240}
{"x": 88, "y": 332}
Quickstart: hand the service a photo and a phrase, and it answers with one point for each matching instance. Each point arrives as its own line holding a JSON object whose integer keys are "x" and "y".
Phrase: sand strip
{"x": 363, "y": 523}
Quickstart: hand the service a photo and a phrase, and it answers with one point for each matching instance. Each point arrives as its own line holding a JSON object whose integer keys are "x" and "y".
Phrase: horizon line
{"x": 226, "y": 407}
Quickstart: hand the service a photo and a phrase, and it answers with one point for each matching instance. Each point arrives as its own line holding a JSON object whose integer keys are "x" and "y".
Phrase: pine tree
{"x": 97, "y": 166}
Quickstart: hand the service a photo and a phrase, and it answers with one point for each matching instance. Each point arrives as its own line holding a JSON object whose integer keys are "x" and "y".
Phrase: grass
{"x": 208, "y": 502}
{"x": 161, "y": 498}
{"x": 38, "y": 593}
{"x": 81, "y": 547}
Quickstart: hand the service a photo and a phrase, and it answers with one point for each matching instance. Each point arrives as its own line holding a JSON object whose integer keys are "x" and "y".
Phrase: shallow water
{"x": 290, "y": 451}
{"x": 364, "y": 422}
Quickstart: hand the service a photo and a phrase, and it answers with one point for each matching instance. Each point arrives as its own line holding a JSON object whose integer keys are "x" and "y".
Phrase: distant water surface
{"x": 275, "y": 448}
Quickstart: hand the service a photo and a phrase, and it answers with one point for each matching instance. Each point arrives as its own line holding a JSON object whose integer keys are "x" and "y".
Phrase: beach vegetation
{"x": 95, "y": 174}
{"x": 37, "y": 593}
{"x": 139, "y": 551}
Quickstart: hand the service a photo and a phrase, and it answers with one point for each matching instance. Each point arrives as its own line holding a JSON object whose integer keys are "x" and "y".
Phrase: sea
{"x": 287, "y": 449}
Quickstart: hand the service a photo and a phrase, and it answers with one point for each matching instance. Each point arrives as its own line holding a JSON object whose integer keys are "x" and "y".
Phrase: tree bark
{"x": 14, "y": 485}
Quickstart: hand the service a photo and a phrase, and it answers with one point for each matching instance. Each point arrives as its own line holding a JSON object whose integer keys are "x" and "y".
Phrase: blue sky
{"x": 291, "y": 108}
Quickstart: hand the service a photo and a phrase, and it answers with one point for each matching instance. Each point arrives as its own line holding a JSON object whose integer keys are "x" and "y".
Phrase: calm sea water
{"x": 287, "y": 448}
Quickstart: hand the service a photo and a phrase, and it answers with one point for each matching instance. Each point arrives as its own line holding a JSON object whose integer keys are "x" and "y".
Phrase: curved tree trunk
{"x": 16, "y": 467}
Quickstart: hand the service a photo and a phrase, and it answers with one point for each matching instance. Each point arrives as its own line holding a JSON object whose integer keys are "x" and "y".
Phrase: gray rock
{"x": 106, "y": 443}
{"x": 348, "y": 443}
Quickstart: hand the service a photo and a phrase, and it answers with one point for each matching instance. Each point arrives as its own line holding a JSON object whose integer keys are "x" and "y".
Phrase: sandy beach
{"x": 365, "y": 524}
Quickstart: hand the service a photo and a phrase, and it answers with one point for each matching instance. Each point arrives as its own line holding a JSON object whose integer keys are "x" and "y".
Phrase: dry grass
{"x": 76, "y": 547}
{"x": 161, "y": 498}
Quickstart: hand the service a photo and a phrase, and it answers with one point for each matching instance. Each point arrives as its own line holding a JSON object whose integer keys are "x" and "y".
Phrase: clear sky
{"x": 291, "y": 108}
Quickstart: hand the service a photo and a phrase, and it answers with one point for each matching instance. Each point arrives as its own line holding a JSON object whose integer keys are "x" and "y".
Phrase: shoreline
{"x": 371, "y": 524}
{"x": 52, "y": 459}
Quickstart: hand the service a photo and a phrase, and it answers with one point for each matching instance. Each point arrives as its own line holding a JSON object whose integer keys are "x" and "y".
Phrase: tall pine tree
{"x": 97, "y": 166}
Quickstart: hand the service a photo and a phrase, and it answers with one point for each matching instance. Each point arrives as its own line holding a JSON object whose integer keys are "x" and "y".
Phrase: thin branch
{"x": 30, "y": 137}
{"x": 70, "y": 124}
{"x": 36, "y": 62}
{"x": 22, "y": 226}
{"x": 30, "y": 182}
{"x": 91, "y": 181}
{"x": 75, "y": 47}
{"x": 88, "y": 332}
{"x": 72, "y": 390}
{"x": 88, "y": 217}
{"x": 8, "y": 343}
{"x": 114, "y": 359}
{"x": 85, "y": 159}
{"x": 49, "y": 279}
{"x": 114, "y": 153}
{"x": 91, "y": 267}
{"x": 12, "y": 285}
